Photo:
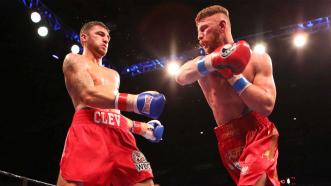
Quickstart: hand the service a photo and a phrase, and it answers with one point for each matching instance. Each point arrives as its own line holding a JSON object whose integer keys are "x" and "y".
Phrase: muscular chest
{"x": 217, "y": 89}
{"x": 104, "y": 77}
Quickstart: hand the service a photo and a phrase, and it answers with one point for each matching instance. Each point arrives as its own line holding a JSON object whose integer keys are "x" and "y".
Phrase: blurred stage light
{"x": 35, "y": 17}
{"x": 201, "y": 51}
{"x": 300, "y": 40}
{"x": 75, "y": 49}
{"x": 42, "y": 31}
{"x": 259, "y": 48}
{"x": 173, "y": 68}
{"x": 55, "y": 56}
{"x": 288, "y": 181}
{"x": 309, "y": 26}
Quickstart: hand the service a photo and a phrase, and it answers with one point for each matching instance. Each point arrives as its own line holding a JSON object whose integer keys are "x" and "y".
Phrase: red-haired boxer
{"x": 239, "y": 87}
{"x": 100, "y": 148}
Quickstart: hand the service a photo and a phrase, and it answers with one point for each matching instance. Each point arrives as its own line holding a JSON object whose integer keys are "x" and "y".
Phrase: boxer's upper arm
{"x": 188, "y": 72}
{"x": 76, "y": 75}
{"x": 264, "y": 75}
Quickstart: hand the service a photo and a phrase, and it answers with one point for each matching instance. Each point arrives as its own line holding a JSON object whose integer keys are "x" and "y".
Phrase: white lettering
{"x": 107, "y": 118}
{"x": 118, "y": 119}
{"x": 104, "y": 121}
{"x": 111, "y": 118}
{"x": 96, "y": 117}
{"x": 147, "y": 105}
{"x": 143, "y": 166}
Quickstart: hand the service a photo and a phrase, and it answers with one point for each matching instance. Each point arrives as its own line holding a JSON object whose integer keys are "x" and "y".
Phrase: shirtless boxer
{"x": 239, "y": 88}
{"x": 100, "y": 148}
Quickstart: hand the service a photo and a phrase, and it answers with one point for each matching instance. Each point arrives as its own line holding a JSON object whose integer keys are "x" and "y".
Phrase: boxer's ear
{"x": 222, "y": 25}
{"x": 83, "y": 37}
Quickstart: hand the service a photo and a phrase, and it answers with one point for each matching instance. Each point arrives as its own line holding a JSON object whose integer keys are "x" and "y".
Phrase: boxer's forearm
{"x": 98, "y": 97}
{"x": 188, "y": 73}
{"x": 152, "y": 130}
{"x": 142, "y": 126}
{"x": 129, "y": 123}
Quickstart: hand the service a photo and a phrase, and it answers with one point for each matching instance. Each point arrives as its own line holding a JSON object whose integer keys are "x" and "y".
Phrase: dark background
{"x": 37, "y": 110}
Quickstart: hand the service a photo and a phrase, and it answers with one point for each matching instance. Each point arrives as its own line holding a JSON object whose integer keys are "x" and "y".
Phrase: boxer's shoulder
{"x": 112, "y": 71}
{"x": 74, "y": 61}
{"x": 258, "y": 59}
{"x": 71, "y": 57}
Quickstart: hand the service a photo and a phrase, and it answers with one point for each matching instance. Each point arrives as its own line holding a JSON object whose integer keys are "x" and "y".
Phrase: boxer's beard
{"x": 214, "y": 42}
{"x": 99, "y": 50}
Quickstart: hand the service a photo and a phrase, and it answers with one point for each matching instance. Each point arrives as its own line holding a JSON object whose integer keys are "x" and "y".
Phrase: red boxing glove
{"x": 225, "y": 73}
{"x": 234, "y": 56}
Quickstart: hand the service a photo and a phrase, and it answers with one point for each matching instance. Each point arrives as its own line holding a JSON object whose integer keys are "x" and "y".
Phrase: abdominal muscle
{"x": 222, "y": 99}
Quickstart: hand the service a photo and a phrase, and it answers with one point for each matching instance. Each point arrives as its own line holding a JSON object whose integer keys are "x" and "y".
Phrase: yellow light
{"x": 173, "y": 68}
{"x": 259, "y": 48}
{"x": 300, "y": 40}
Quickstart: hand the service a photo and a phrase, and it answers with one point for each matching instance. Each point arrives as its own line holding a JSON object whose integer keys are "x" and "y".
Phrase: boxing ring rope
{"x": 25, "y": 180}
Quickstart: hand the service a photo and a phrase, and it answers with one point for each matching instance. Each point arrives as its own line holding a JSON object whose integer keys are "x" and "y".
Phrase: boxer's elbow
{"x": 87, "y": 96}
{"x": 266, "y": 111}
{"x": 187, "y": 74}
{"x": 180, "y": 79}
{"x": 267, "y": 107}
{"x": 184, "y": 78}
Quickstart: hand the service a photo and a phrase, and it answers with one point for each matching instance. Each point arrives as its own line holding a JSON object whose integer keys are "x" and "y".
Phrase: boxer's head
{"x": 211, "y": 10}
{"x": 214, "y": 28}
{"x": 95, "y": 36}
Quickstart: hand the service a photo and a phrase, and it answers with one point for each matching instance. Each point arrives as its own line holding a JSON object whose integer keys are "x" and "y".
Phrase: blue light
{"x": 52, "y": 20}
{"x": 309, "y": 24}
{"x": 300, "y": 25}
{"x": 319, "y": 20}
{"x": 201, "y": 51}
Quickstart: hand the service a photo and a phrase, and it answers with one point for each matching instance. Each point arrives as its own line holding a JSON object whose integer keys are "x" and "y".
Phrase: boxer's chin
{"x": 209, "y": 50}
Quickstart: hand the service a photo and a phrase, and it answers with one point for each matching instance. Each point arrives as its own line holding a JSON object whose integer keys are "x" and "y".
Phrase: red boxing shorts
{"x": 100, "y": 150}
{"x": 249, "y": 148}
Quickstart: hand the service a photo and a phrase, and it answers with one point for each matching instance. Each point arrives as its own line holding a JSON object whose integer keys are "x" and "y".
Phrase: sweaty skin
{"x": 214, "y": 31}
{"x": 90, "y": 85}
{"x": 224, "y": 101}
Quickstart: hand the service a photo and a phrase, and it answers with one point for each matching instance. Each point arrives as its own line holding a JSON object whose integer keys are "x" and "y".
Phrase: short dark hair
{"x": 211, "y": 10}
{"x": 87, "y": 26}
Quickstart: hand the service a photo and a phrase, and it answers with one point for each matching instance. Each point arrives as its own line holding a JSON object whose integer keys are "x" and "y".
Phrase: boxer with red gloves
{"x": 239, "y": 88}
{"x": 233, "y": 56}
{"x": 230, "y": 61}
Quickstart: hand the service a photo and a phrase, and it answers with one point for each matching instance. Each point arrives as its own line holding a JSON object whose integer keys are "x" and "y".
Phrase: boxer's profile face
{"x": 209, "y": 33}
